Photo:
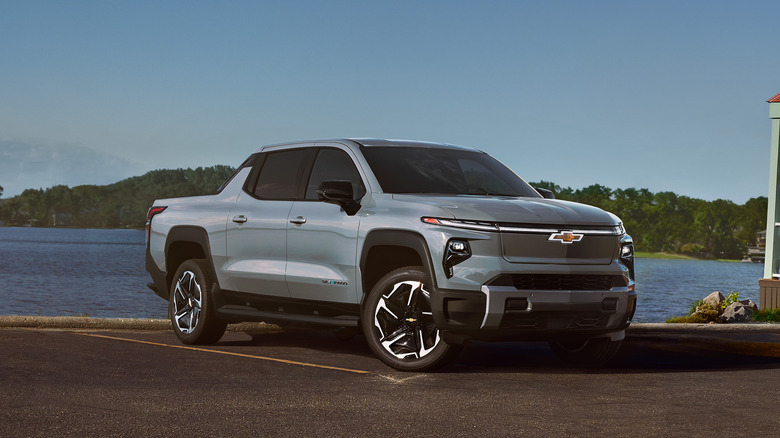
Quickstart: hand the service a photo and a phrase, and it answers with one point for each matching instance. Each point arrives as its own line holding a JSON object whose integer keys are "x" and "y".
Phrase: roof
{"x": 369, "y": 142}
{"x": 774, "y": 99}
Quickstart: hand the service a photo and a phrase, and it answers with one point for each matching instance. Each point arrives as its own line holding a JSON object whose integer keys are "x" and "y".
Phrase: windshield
{"x": 445, "y": 171}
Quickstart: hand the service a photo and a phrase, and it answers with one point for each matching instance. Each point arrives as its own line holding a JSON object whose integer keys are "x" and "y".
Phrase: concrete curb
{"x": 80, "y": 322}
{"x": 765, "y": 327}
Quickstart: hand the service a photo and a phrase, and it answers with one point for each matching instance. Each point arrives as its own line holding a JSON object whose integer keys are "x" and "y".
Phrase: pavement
{"x": 119, "y": 377}
{"x": 761, "y": 339}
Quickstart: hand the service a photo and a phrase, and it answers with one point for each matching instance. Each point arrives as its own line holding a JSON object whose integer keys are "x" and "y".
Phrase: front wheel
{"x": 586, "y": 352}
{"x": 397, "y": 322}
{"x": 192, "y": 313}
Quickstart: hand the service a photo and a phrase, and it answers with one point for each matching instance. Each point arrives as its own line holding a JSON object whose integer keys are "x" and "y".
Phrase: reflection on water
{"x": 54, "y": 272}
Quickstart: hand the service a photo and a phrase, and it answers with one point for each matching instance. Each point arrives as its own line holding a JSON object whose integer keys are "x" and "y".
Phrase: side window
{"x": 280, "y": 176}
{"x": 334, "y": 165}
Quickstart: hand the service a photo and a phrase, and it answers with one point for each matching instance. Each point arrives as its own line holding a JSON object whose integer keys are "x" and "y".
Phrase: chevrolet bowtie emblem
{"x": 565, "y": 237}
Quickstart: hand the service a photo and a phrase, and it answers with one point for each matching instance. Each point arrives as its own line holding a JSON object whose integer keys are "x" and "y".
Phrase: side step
{"x": 246, "y": 313}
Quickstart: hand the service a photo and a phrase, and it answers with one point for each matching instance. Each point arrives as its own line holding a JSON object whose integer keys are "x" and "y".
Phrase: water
{"x": 66, "y": 272}
{"x": 666, "y": 288}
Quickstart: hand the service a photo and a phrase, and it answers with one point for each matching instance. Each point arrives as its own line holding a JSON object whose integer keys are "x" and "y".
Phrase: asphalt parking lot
{"x": 309, "y": 383}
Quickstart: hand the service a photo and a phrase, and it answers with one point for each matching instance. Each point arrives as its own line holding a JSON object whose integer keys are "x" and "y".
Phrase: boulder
{"x": 715, "y": 300}
{"x": 750, "y": 304}
{"x": 737, "y": 312}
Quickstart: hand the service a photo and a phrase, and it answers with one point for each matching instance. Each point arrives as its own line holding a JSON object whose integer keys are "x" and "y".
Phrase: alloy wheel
{"x": 187, "y": 302}
{"x": 405, "y": 321}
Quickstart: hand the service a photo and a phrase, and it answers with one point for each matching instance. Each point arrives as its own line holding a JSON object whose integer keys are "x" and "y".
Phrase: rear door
{"x": 257, "y": 225}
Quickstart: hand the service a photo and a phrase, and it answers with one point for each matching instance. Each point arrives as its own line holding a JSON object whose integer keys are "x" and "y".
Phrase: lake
{"x": 66, "y": 272}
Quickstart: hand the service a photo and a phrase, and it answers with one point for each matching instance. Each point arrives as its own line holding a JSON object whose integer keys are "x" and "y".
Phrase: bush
{"x": 732, "y": 298}
{"x": 767, "y": 315}
{"x": 692, "y": 249}
{"x": 699, "y": 313}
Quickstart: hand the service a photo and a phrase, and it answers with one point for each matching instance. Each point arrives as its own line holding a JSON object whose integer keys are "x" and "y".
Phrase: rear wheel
{"x": 586, "y": 352}
{"x": 398, "y": 323}
{"x": 192, "y": 314}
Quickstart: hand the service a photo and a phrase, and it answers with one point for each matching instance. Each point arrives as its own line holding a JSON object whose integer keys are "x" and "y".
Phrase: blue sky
{"x": 670, "y": 96}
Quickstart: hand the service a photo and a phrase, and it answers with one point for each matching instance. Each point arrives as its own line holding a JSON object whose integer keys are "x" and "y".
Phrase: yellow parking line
{"x": 272, "y": 359}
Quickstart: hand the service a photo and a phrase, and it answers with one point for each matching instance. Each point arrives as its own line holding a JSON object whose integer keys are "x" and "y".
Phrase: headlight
{"x": 457, "y": 251}
{"x": 627, "y": 254}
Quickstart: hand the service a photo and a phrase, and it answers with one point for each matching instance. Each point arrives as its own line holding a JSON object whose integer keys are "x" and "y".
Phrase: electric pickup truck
{"x": 420, "y": 246}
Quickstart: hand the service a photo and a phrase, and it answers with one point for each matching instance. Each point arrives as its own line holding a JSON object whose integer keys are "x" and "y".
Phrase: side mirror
{"x": 340, "y": 193}
{"x": 545, "y": 193}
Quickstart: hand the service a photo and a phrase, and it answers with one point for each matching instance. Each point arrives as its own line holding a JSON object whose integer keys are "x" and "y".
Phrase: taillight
{"x": 152, "y": 213}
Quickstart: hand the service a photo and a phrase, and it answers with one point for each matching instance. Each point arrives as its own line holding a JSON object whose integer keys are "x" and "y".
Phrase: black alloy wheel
{"x": 398, "y": 322}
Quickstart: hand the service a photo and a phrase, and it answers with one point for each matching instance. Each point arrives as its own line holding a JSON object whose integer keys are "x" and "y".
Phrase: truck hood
{"x": 516, "y": 210}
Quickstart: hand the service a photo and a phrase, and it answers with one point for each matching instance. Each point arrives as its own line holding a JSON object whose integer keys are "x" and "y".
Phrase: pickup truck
{"x": 420, "y": 246}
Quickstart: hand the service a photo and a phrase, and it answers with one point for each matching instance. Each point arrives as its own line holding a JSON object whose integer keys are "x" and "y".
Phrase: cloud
{"x": 32, "y": 166}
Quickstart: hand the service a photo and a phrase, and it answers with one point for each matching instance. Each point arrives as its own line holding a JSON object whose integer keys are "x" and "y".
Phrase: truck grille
{"x": 560, "y": 282}
{"x": 557, "y": 320}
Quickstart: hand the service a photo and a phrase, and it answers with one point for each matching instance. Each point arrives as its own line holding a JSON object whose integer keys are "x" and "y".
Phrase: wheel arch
{"x": 386, "y": 250}
{"x": 186, "y": 242}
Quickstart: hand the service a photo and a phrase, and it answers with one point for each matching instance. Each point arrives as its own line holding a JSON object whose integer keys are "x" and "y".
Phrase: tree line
{"x": 120, "y": 205}
{"x": 662, "y": 221}
{"x": 667, "y": 222}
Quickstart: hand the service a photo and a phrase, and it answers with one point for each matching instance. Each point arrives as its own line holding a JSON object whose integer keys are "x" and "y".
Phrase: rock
{"x": 737, "y": 312}
{"x": 715, "y": 300}
{"x": 750, "y": 304}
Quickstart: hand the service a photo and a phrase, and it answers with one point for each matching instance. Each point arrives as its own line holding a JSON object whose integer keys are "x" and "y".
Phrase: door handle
{"x": 240, "y": 219}
{"x": 298, "y": 220}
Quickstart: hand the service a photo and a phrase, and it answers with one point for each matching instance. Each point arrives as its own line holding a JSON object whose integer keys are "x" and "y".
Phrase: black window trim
{"x": 251, "y": 184}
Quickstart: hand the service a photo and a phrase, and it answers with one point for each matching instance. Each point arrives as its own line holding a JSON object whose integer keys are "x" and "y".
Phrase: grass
{"x": 670, "y": 256}
{"x": 690, "y": 319}
{"x": 661, "y": 255}
{"x": 767, "y": 315}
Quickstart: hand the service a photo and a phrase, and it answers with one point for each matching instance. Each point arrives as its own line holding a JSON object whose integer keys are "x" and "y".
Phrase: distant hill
{"x": 661, "y": 221}
{"x": 119, "y": 205}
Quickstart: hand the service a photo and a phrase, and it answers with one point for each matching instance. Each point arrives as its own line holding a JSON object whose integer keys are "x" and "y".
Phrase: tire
{"x": 190, "y": 308}
{"x": 398, "y": 325}
{"x": 591, "y": 352}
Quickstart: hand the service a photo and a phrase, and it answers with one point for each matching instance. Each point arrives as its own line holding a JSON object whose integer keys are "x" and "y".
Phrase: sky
{"x": 664, "y": 95}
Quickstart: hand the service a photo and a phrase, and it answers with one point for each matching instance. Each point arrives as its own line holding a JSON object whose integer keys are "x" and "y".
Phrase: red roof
{"x": 774, "y": 99}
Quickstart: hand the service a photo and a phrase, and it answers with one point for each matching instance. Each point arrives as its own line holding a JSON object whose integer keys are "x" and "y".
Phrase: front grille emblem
{"x": 565, "y": 237}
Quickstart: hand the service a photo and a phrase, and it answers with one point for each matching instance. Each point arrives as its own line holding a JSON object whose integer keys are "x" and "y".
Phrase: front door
{"x": 322, "y": 238}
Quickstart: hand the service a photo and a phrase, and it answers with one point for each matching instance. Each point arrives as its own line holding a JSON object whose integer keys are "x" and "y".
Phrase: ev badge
{"x": 565, "y": 237}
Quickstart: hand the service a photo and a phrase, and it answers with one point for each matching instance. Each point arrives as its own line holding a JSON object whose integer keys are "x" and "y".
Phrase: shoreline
{"x": 672, "y": 256}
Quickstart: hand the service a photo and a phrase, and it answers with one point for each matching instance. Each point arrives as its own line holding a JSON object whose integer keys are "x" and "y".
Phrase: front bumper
{"x": 505, "y": 312}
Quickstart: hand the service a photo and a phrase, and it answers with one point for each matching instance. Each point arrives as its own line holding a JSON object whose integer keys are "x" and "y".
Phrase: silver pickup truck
{"x": 421, "y": 246}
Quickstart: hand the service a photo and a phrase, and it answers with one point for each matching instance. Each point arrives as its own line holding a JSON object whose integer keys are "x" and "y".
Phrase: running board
{"x": 246, "y": 313}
